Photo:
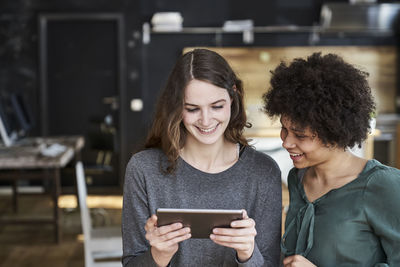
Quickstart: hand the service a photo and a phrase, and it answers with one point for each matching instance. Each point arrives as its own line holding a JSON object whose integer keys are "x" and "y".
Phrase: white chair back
{"x": 85, "y": 214}
{"x": 99, "y": 243}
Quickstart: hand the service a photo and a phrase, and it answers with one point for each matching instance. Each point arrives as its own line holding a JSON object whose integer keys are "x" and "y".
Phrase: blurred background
{"x": 94, "y": 68}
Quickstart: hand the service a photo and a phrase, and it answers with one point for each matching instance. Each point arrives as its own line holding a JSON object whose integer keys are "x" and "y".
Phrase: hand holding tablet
{"x": 200, "y": 221}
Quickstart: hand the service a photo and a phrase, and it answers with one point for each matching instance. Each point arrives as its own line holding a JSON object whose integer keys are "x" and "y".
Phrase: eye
{"x": 301, "y": 136}
{"x": 218, "y": 107}
{"x": 192, "y": 109}
{"x": 284, "y": 132}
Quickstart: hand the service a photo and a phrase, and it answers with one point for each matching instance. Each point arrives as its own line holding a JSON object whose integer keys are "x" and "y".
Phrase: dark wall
{"x": 19, "y": 54}
{"x": 160, "y": 54}
{"x": 147, "y": 65}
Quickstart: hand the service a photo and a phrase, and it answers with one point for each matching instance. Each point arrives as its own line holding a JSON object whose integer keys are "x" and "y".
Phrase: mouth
{"x": 296, "y": 156}
{"x": 207, "y": 131}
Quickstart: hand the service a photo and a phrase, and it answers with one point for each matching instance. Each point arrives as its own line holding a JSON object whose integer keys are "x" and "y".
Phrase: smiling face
{"x": 206, "y": 113}
{"x": 304, "y": 147}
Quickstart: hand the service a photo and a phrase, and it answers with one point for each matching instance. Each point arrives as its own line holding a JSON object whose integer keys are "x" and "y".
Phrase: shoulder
{"x": 293, "y": 173}
{"x": 259, "y": 166}
{"x": 382, "y": 177}
{"x": 381, "y": 193}
{"x": 146, "y": 159}
{"x": 259, "y": 158}
{"x": 293, "y": 176}
{"x": 148, "y": 154}
{"x": 382, "y": 184}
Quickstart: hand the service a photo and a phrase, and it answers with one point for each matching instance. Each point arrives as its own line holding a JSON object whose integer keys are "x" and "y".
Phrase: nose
{"x": 205, "y": 117}
{"x": 287, "y": 141}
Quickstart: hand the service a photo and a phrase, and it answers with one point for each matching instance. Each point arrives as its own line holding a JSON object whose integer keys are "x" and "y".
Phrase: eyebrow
{"x": 294, "y": 129}
{"x": 213, "y": 103}
{"x": 297, "y": 130}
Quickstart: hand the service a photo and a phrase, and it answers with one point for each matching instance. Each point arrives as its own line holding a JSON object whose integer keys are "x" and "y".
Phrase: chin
{"x": 207, "y": 142}
{"x": 300, "y": 165}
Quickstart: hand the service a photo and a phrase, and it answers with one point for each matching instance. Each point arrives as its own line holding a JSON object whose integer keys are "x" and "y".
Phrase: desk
{"x": 24, "y": 160}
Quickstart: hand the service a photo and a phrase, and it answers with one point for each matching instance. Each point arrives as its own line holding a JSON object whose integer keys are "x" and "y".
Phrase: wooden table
{"x": 25, "y": 160}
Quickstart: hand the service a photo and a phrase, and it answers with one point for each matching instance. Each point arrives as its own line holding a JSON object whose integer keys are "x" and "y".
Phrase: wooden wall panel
{"x": 254, "y": 65}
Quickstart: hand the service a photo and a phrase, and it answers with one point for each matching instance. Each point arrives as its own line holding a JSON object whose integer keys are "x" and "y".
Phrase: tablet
{"x": 200, "y": 221}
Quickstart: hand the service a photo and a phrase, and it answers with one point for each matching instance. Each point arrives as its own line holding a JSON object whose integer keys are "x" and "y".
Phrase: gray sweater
{"x": 253, "y": 183}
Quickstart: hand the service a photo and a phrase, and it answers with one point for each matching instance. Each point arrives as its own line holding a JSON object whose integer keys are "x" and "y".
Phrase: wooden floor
{"x": 33, "y": 245}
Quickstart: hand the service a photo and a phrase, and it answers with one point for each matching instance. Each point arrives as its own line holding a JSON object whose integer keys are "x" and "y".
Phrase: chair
{"x": 99, "y": 243}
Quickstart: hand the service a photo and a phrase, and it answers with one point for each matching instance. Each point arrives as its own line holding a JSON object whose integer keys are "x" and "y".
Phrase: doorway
{"x": 81, "y": 84}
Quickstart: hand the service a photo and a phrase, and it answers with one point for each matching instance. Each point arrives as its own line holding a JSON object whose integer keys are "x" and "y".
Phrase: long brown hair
{"x": 168, "y": 132}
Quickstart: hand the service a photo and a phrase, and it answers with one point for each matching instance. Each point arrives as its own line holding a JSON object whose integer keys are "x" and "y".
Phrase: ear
{"x": 235, "y": 91}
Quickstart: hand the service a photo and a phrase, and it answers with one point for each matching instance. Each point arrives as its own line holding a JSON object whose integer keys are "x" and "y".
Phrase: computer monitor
{"x": 15, "y": 118}
{"x": 22, "y": 113}
{"x": 7, "y": 129}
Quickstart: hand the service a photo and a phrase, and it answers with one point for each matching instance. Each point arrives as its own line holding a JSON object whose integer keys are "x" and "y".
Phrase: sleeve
{"x": 382, "y": 198}
{"x": 293, "y": 196}
{"x": 135, "y": 212}
{"x": 268, "y": 208}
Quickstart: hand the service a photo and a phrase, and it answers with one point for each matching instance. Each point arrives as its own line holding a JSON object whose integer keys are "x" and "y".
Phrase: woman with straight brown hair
{"x": 196, "y": 157}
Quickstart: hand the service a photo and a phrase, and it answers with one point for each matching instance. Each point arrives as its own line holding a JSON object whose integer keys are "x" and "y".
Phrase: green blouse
{"x": 357, "y": 224}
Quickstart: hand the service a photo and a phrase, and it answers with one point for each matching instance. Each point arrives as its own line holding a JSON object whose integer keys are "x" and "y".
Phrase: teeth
{"x": 207, "y": 130}
{"x": 295, "y": 155}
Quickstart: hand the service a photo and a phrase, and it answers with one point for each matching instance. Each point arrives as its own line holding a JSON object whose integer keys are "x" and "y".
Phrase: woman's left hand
{"x": 297, "y": 261}
{"x": 240, "y": 237}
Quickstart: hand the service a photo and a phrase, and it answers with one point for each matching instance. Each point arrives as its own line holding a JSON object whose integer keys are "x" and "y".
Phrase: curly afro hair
{"x": 324, "y": 93}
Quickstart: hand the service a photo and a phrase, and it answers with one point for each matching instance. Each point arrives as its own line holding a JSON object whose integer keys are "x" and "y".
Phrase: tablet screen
{"x": 201, "y": 221}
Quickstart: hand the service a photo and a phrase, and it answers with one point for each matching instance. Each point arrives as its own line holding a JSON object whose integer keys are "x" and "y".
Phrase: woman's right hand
{"x": 164, "y": 240}
{"x": 297, "y": 261}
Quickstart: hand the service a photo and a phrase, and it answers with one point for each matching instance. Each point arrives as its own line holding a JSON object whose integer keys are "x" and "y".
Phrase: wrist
{"x": 244, "y": 256}
{"x": 162, "y": 259}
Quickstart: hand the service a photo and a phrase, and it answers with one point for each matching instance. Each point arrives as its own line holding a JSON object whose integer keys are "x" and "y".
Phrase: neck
{"x": 211, "y": 158}
{"x": 337, "y": 166}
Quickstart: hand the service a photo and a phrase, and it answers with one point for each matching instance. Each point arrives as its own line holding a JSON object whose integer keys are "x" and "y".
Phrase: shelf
{"x": 248, "y": 34}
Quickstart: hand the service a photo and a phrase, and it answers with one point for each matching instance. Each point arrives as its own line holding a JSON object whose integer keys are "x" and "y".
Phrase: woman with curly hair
{"x": 197, "y": 158}
{"x": 344, "y": 210}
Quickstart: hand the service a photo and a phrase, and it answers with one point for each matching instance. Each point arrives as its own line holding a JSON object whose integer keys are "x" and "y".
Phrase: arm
{"x": 164, "y": 240}
{"x": 257, "y": 242}
{"x": 293, "y": 260}
{"x": 267, "y": 213}
{"x": 135, "y": 213}
{"x": 144, "y": 243}
{"x": 269, "y": 221}
{"x": 240, "y": 237}
{"x": 382, "y": 198}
